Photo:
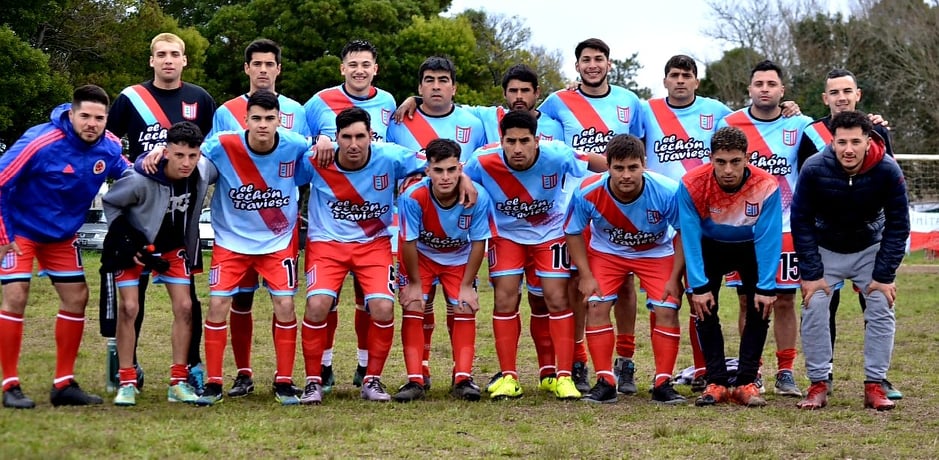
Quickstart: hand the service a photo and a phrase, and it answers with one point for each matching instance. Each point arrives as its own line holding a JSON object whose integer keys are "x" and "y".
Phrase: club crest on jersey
{"x": 385, "y": 116}
{"x": 463, "y": 134}
{"x": 622, "y": 114}
{"x": 311, "y": 276}
{"x": 286, "y": 169}
{"x": 190, "y": 111}
{"x": 9, "y": 261}
{"x": 286, "y": 120}
{"x": 465, "y": 221}
{"x": 789, "y": 137}
{"x": 654, "y": 217}
{"x": 752, "y": 209}
{"x": 214, "y": 272}
{"x": 380, "y": 182}
{"x": 706, "y": 121}
{"x": 99, "y": 167}
{"x": 549, "y": 181}
{"x": 545, "y": 137}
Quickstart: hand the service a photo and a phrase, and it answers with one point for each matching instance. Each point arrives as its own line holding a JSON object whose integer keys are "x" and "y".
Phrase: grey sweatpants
{"x": 879, "y": 316}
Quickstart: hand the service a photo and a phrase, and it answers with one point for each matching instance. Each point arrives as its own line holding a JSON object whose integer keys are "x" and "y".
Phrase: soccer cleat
{"x": 182, "y": 392}
{"x": 312, "y": 393}
{"x": 579, "y": 373}
{"x": 243, "y": 386}
{"x": 72, "y": 395}
{"x": 758, "y": 381}
{"x": 410, "y": 391}
{"x": 549, "y": 383}
{"x": 625, "y": 371}
{"x": 426, "y": 383}
{"x": 196, "y": 378}
{"x": 748, "y": 395}
{"x": 359, "y": 375}
{"x": 566, "y": 389}
{"x": 816, "y": 397}
{"x": 374, "y": 390}
{"x": 329, "y": 379}
{"x": 601, "y": 393}
{"x": 509, "y": 388}
{"x": 713, "y": 394}
{"x": 126, "y": 395}
{"x": 698, "y": 384}
{"x": 140, "y": 376}
{"x": 212, "y": 394}
{"x": 876, "y": 398}
{"x": 494, "y": 382}
{"x": 892, "y": 393}
{"x": 466, "y": 390}
{"x": 14, "y": 398}
{"x": 286, "y": 394}
{"x": 666, "y": 394}
{"x": 786, "y": 385}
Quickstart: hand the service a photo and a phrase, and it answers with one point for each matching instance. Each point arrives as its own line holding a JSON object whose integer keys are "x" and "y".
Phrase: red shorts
{"x": 60, "y": 261}
{"x": 432, "y": 273}
{"x": 177, "y": 274}
{"x": 550, "y": 259}
{"x": 612, "y": 271}
{"x": 328, "y": 263}
{"x": 229, "y": 271}
{"x": 787, "y": 275}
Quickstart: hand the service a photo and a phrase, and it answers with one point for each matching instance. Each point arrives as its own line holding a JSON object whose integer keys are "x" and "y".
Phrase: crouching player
{"x": 444, "y": 241}
{"x": 161, "y": 210}
{"x": 632, "y": 215}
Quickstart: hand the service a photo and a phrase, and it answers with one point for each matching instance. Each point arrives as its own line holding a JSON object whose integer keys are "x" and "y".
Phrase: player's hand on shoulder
{"x": 151, "y": 160}
{"x": 324, "y": 151}
{"x": 406, "y": 109}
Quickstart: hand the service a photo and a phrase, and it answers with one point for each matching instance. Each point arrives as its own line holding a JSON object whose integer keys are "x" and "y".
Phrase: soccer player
{"x": 590, "y": 116}
{"x": 730, "y": 215}
{"x": 850, "y": 220}
{"x": 351, "y": 200}
{"x": 359, "y": 67}
{"x": 841, "y": 95}
{"x": 161, "y": 210}
{"x": 443, "y": 241}
{"x": 633, "y": 216}
{"x": 262, "y": 65}
{"x": 524, "y": 177}
{"x": 774, "y": 146}
{"x": 254, "y": 213}
{"x": 48, "y": 179}
{"x": 142, "y": 114}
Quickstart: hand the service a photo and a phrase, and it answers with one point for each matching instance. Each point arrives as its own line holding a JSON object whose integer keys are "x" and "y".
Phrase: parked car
{"x": 91, "y": 233}
{"x": 207, "y": 233}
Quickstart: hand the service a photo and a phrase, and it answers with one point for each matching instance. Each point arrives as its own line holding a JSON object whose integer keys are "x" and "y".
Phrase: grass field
{"x": 534, "y": 426}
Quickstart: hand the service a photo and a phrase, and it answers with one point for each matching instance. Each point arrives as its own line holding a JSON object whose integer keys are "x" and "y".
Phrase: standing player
{"x": 262, "y": 65}
{"x": 161, "y": 210}
{"x": 524, "y": 179}
{"x": 359, "y": 67}
{"x": 48, "y": 179}
{"x": 730, "y": 215}
{"x": 633, "y": 215}
{"x": 774, "y": 146}
{"x": 254, "y": 212}
{"x": 446, "y": 242}
{"x": 590, "y": 116}
{"x": 142, "y": 114}
{"x": 351, "y": 199}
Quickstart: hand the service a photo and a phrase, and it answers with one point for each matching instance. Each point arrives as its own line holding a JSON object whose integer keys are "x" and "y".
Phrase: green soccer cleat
{"x": 566, "y": 389}
{"x": 508, "y": 388}
{"x": 126, "y": 395}
{"x": 182, "y": 392}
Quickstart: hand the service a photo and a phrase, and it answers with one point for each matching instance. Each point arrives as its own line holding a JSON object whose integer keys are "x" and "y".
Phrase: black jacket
{"x": 847, "y": 214}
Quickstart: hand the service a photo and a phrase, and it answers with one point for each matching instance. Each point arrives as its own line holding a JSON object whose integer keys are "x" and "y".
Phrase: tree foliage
{"x": 623, "y": 73}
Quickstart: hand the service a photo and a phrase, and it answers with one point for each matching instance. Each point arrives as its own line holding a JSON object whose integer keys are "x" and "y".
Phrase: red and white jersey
{"x": 679, "y": 138}
{"x": 459, "y": 125}
{"x": 231, "y": 116}
{"x": 322, "y": 108}
{"x": 590, "y": 121}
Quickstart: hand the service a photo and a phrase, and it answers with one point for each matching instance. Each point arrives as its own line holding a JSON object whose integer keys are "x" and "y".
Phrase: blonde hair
{"x": 169, "y": 38}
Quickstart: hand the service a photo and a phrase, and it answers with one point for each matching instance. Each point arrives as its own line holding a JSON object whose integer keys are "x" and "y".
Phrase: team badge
{"x": 285, "y": 169}
{"x": 545, "y": 137}
{"x": 286, "y": 120}
{"x": 380, "y": 182}
{"x": 190, "y": 111}
{"x": 549, "y": 182}
{"x": 385, "y": 116}
{"x": 789, "y": 137}
{"x": 752, "y": 209}
{"x": 99, "y": 167}
{"x": 463, "y": 134}
{"x": 465, "y": 221}
{"x": 9, "y": 261}
{"x": 622, "y": 113}
{"x": 214, "y": 274}
{"x": 706, "y": 121}
{"x": 311, "y": 276}
{"x": 654, "y": 217}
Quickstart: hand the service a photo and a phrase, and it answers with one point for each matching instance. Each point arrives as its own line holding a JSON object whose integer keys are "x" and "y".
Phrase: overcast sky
{"x": 655, "y": 29}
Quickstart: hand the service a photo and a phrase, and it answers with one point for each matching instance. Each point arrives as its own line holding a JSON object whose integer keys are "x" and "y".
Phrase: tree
{"x": 623, "y": 73}
{"x": 728, "y": 77}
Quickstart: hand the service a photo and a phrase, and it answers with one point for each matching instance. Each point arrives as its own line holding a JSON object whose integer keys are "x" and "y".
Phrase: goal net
{"x": 922, "y": 182}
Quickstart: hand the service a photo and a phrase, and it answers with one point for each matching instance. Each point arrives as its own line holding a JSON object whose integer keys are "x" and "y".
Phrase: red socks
{"x": 625, "y": 345}
{"x": 314, "y": 341}
{"x": 216, "y": 334}
{"x": 412, "y": 340}
{"x": 506, "y": 328}
{"x": 665, "y": 342}
{"x": 380, "y": 336}
{"x": 11, "y": 341}
{"x": 600, "y": 340}
{"x": 241, "y": 325}
{"x": 285, "y": 349}
{"x": 463, "y": 342}
{"x": 68, "y": 337}
{"x": 562, "y": 335}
